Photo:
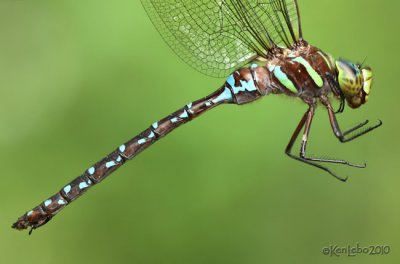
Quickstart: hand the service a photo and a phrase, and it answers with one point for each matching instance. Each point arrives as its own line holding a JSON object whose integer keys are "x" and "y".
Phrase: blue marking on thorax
{"x": 271, "y": 67}
{"x": 284, "y": 79}
{"x": 254, "y": 66}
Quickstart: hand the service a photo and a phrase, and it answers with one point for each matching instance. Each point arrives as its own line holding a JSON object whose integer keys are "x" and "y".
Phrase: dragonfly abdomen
{"x": 42, "y": 213}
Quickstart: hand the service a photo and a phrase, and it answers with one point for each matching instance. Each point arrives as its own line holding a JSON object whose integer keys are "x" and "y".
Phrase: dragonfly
{"x": 258, "y": 46}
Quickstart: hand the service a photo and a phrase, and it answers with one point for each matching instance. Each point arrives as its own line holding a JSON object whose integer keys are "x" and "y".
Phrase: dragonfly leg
{"x": 306, "y": 121}
{"x": 337, "y": 91}
{"x": 303, "y": 146}
{"x": 342, "y": 135}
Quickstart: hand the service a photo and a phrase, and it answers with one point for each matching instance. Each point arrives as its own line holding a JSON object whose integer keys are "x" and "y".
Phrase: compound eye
{"x": 349, "y": 77}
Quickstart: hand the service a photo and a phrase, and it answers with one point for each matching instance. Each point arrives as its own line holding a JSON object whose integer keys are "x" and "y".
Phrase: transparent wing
{"x": 217, "y": 36}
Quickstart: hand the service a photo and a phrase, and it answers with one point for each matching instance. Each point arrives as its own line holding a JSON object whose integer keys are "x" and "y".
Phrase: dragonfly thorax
{"x": 355, "y": 82}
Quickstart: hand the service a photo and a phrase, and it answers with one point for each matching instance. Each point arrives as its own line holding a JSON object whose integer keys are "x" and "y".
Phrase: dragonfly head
{"x": 355, "y": 81}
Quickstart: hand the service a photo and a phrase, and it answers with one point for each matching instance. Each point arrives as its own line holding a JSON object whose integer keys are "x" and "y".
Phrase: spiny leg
{"x": 303, "y": 147}
{"x": 336, "y": 129}
{"x": 337, "y": 91}
{"x": 306, "y": 119}
{"x": 356, "y": 127}
{"x": 365, "y": 131}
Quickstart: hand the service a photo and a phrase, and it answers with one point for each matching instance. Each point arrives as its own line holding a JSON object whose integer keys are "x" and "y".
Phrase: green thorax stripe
{"x": 328, "y": 59}
{"x": 313, "y": 74}
{"x": 284, "y": 79}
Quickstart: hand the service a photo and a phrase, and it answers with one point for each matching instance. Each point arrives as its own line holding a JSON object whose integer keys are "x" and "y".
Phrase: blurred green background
{"x": 78, "y": 78}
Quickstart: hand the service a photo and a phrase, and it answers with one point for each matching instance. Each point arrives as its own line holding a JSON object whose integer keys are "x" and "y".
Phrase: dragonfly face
{"x": 355, "y": 82}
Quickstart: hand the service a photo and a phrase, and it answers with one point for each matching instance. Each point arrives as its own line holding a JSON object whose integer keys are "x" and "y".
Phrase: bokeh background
{"x": 78, "y": 78}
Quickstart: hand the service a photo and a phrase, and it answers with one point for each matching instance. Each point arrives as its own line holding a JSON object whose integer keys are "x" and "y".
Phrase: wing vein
{"x": 217, "y": 36}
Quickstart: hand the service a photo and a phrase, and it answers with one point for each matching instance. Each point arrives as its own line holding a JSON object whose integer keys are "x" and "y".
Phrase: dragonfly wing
{"x": 217, "y": 36}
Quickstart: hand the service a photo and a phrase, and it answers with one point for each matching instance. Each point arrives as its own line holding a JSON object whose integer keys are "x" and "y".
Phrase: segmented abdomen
{"x": 238, "y": 89}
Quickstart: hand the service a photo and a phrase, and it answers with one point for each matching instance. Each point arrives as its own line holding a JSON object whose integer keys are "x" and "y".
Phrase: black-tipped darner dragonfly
{"x": 259, "y": 45}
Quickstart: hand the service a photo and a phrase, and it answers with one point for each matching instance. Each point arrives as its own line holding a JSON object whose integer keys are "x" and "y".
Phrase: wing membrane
{"x": 217, "y": 36}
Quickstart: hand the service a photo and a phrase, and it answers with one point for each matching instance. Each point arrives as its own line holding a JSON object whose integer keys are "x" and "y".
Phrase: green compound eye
{"x": 350, "y": 78}
{"x": 355, "y": 82}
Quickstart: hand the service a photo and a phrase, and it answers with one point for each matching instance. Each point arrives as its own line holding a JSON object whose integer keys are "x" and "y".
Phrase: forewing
{"x": 217, "y": 36}
{"x": 281, "y": 21}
